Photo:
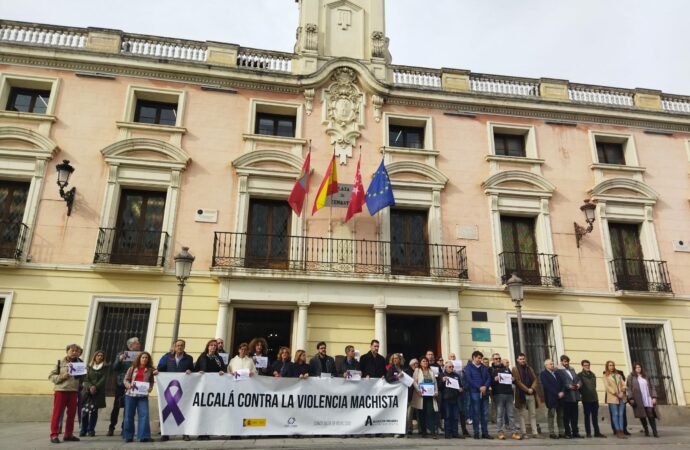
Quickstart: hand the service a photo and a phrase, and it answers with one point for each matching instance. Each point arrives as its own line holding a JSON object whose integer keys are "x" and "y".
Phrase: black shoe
{"x": 599, "y": 435}
{"x": 554, "y": 436}
{"x": 185, "y": 437}
{"x": 486, "y": 436}
{"x": 476, "y": 436}
{"x": 55, "y": 441}
{"x": 82, "y": 434}
{"x": 111, "y": 432}
{"x": 626, "y": 432}
{"x": 71, "y": 439}
{"x": 655, "y": 434}
{"x": 129, "y": 440}
{"x": 589, "y": 435}
{"x": 561, "y": 436}
{"x": 147, "y": 440}
{"x": 165, "y": 438}
{"x": 91, "y": 433}
{"x": 578, "y": 436}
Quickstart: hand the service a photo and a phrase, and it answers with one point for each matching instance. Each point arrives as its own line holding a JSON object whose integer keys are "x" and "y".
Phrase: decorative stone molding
{"x": 311, "y": 37}
{"x": 647, "y": 99}
{"x": 343, "y": 112}
{"x": 640, "y": 192}
{"x": 378, "y": 44}
{"x": 309, "y": 94}
{"x": 553, "y": 89}
{"x": 377, "y": 101}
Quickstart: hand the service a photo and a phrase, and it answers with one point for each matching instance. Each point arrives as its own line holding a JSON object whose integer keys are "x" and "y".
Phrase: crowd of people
{"x": 463, "y": 394}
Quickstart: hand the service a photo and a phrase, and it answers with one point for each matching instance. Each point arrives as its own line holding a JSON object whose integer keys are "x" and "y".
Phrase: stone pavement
{"x": 21, "y": 436}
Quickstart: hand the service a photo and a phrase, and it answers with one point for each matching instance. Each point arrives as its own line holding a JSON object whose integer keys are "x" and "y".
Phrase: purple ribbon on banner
{"x": 172, "y": 400}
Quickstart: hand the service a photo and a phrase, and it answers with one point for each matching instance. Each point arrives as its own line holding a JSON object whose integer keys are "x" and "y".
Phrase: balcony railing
{"x": 645, "y": 275}
{"x": 535, "y": 269}
{"x": 313, "y": 254}
{"x": 12, "y": 239}
{"x": 134, "y": 247}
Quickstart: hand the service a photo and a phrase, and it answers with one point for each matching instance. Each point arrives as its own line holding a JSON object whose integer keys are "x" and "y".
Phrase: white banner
{"x": 263, "y": 406}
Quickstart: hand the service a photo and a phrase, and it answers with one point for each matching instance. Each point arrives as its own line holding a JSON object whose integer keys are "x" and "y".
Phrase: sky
{"x": 622, "y": 43}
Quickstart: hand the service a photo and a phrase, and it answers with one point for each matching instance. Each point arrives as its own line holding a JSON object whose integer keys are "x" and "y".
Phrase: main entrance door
{"x": 412, "y": 335}
{"x": 273, "y": 325}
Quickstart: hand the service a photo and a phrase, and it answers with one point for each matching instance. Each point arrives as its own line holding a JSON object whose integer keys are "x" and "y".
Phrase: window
{"x": 540, "y": 342}
{"x": 647, "y": 346}
{"x": 137, "y": 236}
{"x": 610, "y": 153}
{"x": 5, "y": 307}
{"x": 28, "y": 100}
{"x": 274, "y": 325}
{"x": 405, "y": 136}
{"x": 268, "y": 240}
{"x": 519, "y": 249}
{"x": 509, "y": 144}
{"x": 275, "y": 125}
{"x": 409, "y": 242}
{"x": 13, "y": 197}
{"x": 115, "y": 323}
{"x": 156, "y": 113}
{"x": 628, "y": 261}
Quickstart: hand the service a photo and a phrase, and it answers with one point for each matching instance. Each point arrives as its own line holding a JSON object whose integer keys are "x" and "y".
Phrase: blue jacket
{"x": 169, "y": 364}
{"x": 553, "y": 384}
{"x": 476, "y": 377}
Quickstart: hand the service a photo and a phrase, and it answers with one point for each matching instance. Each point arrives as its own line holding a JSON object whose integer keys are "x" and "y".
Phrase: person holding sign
{"x": 449, "y": 387}
{"x": 65, "y": 395}
{"x": 93, "y": 393}
{"x": 322, "y": 364}
{"x": 138, "y": 384}
{"x": 119, "y": 367}
{"x": 257, "y": 350}
{"x": 350, "y": 362}
{"x": 242, "y": 361}
{"x": 424, "y": 398}
{"x": 210, "y": 360}
{"x": 503, "y": 398}
{"x": 395, "y": 371}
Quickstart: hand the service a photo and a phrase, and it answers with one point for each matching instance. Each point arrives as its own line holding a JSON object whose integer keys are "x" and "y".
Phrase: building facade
{"x": 183, "y": 143}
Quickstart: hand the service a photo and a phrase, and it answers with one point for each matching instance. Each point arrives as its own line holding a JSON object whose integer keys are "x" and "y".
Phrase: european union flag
{"x": 380, "y": 192}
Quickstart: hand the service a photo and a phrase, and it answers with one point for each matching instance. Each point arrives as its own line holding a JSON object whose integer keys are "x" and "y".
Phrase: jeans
{"x": 556, "y": 413}
{"x": 450, "y": 416}
{"x": 115, "y": 413}
{"x": 88, "y": 421}
{"x": 504, "y": 407}
{"x": 426, "y": 416}
{"x": 617, "y": 411}
{"x": 625, "y": 420}
{"x": 62, "y": 400}
{"x": 140, "y": 405}
{"x": 570, "y": 418}
{"x": 591, "y": 410}
{"x": 530, "y": 410}
{"x": 480, "y": 412}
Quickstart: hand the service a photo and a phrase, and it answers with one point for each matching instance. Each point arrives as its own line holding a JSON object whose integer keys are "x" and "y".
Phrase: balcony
{"x": 643, "y": 275}
{"x": 131, "y": 247}
{"x": 535, "y": 269}
{"x": 12, "y": 239}
{"x": 301, "y": 254}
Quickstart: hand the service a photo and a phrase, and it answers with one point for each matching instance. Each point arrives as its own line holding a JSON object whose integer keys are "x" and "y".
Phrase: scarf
{"x": 97, "y": 366}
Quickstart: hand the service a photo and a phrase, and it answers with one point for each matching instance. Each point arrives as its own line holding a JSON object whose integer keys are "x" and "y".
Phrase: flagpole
{"x": 306, "y": 215}
{"x": 330, "y": 210}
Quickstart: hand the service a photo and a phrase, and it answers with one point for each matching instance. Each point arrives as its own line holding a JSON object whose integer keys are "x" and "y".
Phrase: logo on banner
{"x": 368, "y": 422}
{"x": 253, "y": 423}
{"x": 171, "y": 401}
{"x": 380, "y": 422}
{"x": 291, "y": 423}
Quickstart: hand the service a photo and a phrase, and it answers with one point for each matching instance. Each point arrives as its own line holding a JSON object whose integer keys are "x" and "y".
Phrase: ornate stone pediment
{"x": 343, "y": 112}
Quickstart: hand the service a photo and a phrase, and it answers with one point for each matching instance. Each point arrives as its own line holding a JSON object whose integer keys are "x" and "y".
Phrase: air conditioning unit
{"x": 206, "y": 215}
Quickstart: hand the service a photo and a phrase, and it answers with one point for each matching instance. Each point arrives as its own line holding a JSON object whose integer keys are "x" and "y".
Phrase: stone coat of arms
{"x": 343, "y": 112}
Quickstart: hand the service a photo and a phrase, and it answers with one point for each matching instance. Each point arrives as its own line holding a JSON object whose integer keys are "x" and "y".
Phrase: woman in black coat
{"x": 299, "y": 368}
{"x": 280, "y": 367}
{"x": 210, "y": 361}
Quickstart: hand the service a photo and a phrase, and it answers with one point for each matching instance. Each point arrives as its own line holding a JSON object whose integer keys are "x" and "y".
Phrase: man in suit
{"x": 570, "y": 399}
{"x": 554, "y": 391}
{"x": 372, "y": 364}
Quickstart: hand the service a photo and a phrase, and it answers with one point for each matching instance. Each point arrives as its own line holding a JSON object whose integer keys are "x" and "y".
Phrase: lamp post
{"x": 588, "y": 208}
{"x": 183, "y": 267}
{"x": 516, "y": 289}
{"x": 64, "y": 171}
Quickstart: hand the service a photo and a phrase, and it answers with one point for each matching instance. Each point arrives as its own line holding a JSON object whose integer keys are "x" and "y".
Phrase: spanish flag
{"x": 329, "y": 186}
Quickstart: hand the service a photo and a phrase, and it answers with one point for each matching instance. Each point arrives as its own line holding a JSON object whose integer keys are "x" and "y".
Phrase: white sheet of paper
{"x": 353, "y": 375}
{"x": 457, "y": 366}
{"x": 505, "y": 378}
{"x": 406, "y": 380}
{"x": 428, "y": 389}
{"x": 76, "y": 368}
{"x": 224, "y": 356}
{"x": 357, "y": 354}
{"x": 241, "y": 374}
{"x": 131, "y": 356}
{"x": 452, "y": 383}
{"x": 325, "y": 375}
{"x": 141, "y": 387}
{"x": 434, "y": 369}
{"x": 261, "y": 362}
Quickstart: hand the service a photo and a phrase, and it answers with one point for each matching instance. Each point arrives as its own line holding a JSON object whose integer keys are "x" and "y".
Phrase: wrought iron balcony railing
{"x": 135, "y": 247}
{"x": 645, "y": 275}
{"x": 12, "y": 239}
{"x": 535, "y": 269}
{"x": 311, "y": 254}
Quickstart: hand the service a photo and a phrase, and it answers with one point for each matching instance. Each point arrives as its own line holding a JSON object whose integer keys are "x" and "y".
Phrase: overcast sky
{"x": 624, "y": 43}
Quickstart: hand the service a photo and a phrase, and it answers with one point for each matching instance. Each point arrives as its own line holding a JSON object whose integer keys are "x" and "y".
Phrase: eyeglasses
{"x": 497, "y": 359}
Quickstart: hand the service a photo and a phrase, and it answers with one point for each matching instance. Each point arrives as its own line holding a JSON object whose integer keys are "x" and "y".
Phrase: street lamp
{"x": 588, "y": 209}
{"x": 64, "y": 171}
{"x": 516, "y": 289}
{"x": 183, "y": 267}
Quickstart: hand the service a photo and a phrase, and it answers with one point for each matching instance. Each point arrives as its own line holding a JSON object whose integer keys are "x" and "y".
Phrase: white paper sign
{"x": 353, "y": 375}
{"x": 140, "y": 387}
{"x": 505, "y": 378}
{"x": 224, "y": 357}
{"x": 434, "y": 369}
{"x": 325, "y": 375}
{"x": 457, "y": 366}
{"x": 427, "y": 389}
{"x": 406, "y": 380}
{"x": 76, "y": 369}
{"x": 261, "y": 362}
{"x": 241, "y": 374}
{"x": 131, "y": 356}
{"x": 452, "y": 383}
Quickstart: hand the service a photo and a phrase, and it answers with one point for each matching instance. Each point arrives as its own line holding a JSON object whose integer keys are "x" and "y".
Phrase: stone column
{"x": 454, "y": 333}
{"x": 222, "y": 322}
{"x": 380, "y": 327}
{"x": 302, "y": 315}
